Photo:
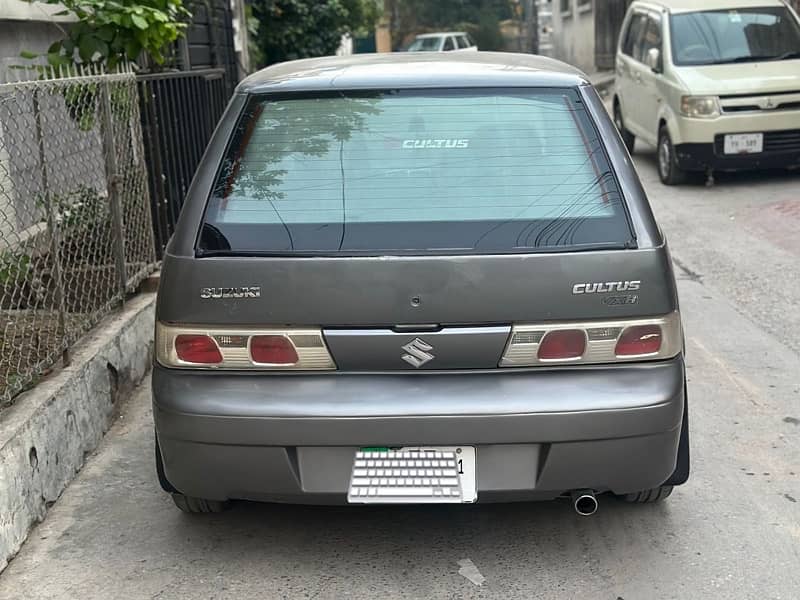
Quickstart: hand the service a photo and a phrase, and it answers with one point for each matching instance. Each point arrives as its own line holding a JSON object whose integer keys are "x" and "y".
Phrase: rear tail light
{"x": 272, "y": 350}
{"x": 562, "y": 344}
{"x": 198, "y": 349}
{"x": 230, "y": 348}
{"x": 639, "y": 340}
{"x": 594, "y": 342}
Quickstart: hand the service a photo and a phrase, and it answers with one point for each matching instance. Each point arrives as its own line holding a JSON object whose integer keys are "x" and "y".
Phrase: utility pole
{"x": 532, "y": 26}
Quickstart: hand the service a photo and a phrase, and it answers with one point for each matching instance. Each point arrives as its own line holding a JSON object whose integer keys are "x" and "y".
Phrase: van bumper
{"x": 781, "y": 150}
{"x": 538, "y": 434}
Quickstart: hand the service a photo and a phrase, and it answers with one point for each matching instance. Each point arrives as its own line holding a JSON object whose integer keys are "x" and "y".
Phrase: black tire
{"x": 627, "y": 137}
{"x": 193, "y": 506}
{"x": 162, "y": 478}
{"x": 667, "y": 161}
{"x": 648, "y": 496}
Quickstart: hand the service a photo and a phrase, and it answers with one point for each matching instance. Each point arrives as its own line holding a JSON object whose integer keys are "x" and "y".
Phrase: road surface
{"x": 732, "y": 532}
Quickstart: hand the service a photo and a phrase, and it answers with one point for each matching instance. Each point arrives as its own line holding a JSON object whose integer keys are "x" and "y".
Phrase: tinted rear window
{"x": 472, "y": 171}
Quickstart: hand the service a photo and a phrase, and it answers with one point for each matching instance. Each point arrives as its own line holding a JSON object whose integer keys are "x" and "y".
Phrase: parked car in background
{"x": 402, "y": 284}
{"x": 714, "y": 85}
{"x": 448, "y": 41}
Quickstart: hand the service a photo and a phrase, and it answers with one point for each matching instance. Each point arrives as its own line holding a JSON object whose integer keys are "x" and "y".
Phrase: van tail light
{"x": 594, "y": 342}
{"x": 639, "y": 340}
{"x": 196, "y": 347}
{"x": 562, "y": 344}
{"x": 272, "y": 350}
{"x": 200, "y": 349}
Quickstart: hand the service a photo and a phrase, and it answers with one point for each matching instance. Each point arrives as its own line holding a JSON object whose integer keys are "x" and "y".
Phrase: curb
{"x": 47, "y": 434}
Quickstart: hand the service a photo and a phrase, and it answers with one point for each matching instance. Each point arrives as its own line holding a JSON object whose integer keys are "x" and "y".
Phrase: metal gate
{"x": 179, "y": 113}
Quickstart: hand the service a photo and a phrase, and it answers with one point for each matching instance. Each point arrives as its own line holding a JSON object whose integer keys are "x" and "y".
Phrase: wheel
{"x": 668, "y": 170}
{"x": 191, "y": 505}
{"x": 647, "y": 496}
{"x": 627, "y": 137}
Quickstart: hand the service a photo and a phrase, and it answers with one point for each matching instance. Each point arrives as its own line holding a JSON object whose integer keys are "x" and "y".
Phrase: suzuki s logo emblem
{"x": 418, "y": 353}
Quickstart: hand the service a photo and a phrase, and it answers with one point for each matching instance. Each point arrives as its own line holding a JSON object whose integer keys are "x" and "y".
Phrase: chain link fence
{"x": 75, "y": 224}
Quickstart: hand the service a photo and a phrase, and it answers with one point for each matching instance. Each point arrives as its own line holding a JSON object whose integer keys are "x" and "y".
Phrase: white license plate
{"x": 744, "y": 143}
{"x": 414, "y": 477}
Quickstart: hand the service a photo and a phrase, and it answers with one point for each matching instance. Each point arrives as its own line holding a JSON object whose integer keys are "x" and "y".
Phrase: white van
{"x": 712, "y": 87}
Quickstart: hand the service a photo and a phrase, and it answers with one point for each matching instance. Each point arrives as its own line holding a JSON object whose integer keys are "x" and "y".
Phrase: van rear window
{"x": 414, "y": 172}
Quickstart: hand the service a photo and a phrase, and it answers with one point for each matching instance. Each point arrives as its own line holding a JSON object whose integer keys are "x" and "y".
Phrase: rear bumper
{"x": 538, "y": 434}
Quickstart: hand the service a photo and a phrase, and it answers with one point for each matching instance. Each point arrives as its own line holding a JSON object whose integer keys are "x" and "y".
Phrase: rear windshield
{"x": 413, "y": 172}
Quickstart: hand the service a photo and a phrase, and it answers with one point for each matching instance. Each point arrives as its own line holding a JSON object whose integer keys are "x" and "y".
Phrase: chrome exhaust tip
{"x": 584, "y": 502}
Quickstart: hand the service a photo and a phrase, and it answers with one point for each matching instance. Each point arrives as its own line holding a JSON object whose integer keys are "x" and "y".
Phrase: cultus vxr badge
{"x": 214, "y": 293}
{"x": 606, "y": 287}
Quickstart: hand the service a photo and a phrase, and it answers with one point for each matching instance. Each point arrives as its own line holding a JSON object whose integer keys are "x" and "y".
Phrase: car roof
{"x": 439, "y": 34}
{"x": 676, "y": 6}
{"x": 414, "y": 70}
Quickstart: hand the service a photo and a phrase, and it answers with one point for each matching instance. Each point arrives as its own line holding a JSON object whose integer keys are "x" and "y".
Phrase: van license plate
{"x": 419, "y": 475}
{"x": 744, "y": 143}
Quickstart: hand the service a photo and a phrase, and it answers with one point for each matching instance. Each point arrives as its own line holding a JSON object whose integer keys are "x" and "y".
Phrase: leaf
{"x": 55, "y": 48}
{"x": 90, "y": 45}
{"x": 132, "y": 49}
{"x": 140, "y": 22}
{"x": 28, "y": 54}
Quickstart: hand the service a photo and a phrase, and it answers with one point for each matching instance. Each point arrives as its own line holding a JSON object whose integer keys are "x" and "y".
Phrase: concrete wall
{"x": 30, "y": 26}
{"x": 573, "y": 32}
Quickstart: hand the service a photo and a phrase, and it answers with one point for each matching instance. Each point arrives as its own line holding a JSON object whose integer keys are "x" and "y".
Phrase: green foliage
{"x": 78, "y": 211}
{"x": 292, "y": 29}
{"x": 15, "y": 268}
{"x": 109, "y": 32}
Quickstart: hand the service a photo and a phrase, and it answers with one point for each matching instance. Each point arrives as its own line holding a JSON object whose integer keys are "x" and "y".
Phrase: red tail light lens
{"x": 639, "y": 340}
{"x": 563, "y": 344}
{"x": 272, "y": 350}
{"x": 200, "y": 349}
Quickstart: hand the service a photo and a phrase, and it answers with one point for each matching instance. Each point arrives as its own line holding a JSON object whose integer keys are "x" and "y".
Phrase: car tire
{"x": 649, "y": 496}
{"x": 191, "y": 505}
{"x": 627, "y": 137}
{"x": 667, "y": 161}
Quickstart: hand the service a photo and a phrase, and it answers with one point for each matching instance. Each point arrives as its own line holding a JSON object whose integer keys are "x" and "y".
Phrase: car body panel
{"x": 270, "y": 422}
{"x": 539, "y": 432}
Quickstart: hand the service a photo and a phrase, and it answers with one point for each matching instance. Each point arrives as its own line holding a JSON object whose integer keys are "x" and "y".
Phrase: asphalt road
{"x": 732, "y": 532}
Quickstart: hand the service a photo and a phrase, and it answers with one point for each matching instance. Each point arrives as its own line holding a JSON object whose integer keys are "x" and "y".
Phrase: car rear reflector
{"x": 203, "y": 347}
{"x": 272, "y": 350}
{"x": 594, "y": 342}
{"x": 639, "y": 340}
{"x": 562, "y": 344}
{"x": 199, "y": 349}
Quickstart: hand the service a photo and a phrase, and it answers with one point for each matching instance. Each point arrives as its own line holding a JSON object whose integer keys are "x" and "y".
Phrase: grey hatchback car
{"x": 418, "y": 278}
